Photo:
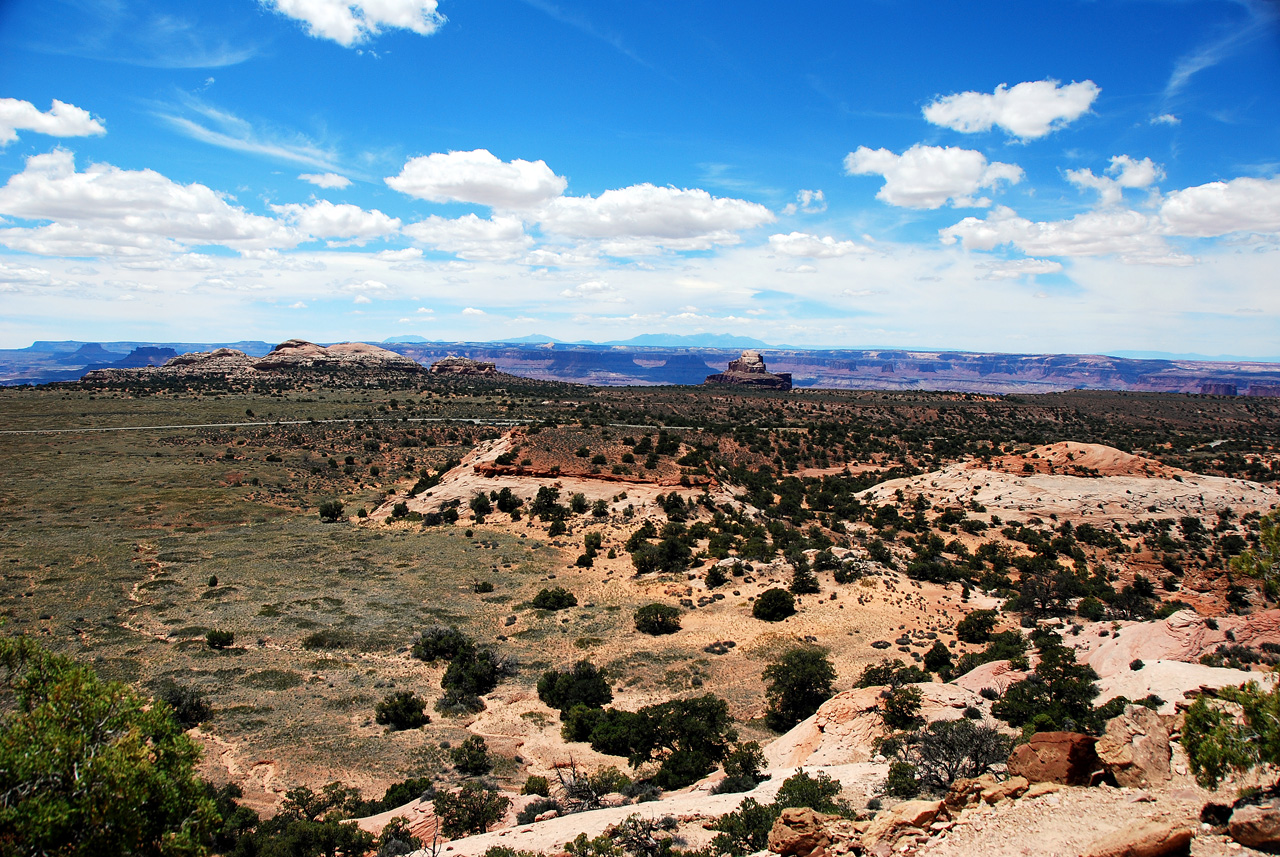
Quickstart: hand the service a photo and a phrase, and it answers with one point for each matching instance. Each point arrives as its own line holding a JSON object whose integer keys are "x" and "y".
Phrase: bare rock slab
{"x": 1146, "y": 839}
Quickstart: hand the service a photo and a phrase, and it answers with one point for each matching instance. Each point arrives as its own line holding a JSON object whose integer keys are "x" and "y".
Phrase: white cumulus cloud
{"x": 1027, "y": 111}
{"x": 929, "y": 176}
{"x": 643, "y": 218}
{"x": 472, "y": 237}
{"x": 332, "y": 181}
{"x": 478, "y": 177}
{"x": 807, "y": 202}
{"x": 1132, "y": 236}
{"x": 349, "y": 22}
{"x": 62, "y": 120}
{"x": 107, "y": 211}
{"x": 1220, "y": 208}
{"x": 323, "y": 219}
{"x": 1125, "y": 172}
{"x": 804, "y": 245}
{"x": 472, "y": 311}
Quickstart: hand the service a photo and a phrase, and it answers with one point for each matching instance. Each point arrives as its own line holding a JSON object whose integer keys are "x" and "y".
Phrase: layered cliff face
{"x": 749, "y": 370}
{"x": 965, "y": 372}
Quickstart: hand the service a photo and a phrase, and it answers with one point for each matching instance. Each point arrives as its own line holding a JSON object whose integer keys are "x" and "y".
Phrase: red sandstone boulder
{"x": 1055, "y": 757}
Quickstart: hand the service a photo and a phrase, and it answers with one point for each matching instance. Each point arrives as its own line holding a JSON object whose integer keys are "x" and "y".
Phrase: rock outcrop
{"x": 749, "y": 370}
{"x": 1055, "y": 757}
{"x": 1135, "y": 748}
{"x": 845, "y": 728}
{"x": 800, "y": 832}
{"x": 462, "y": 366}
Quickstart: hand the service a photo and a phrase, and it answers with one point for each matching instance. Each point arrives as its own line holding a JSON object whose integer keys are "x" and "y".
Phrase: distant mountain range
{"x": 670, "y": 359}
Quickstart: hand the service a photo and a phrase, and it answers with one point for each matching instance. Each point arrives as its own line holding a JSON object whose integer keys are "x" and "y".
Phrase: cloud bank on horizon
{"x": 584, "y": 173}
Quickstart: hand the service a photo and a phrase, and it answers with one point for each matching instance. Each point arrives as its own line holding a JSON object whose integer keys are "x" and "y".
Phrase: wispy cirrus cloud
{"x": 1262, "y": 19}
{"x": 226, "y": 130}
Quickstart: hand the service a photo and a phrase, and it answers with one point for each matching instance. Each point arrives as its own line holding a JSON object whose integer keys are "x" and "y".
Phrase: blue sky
{"x": 1056, "y": 177}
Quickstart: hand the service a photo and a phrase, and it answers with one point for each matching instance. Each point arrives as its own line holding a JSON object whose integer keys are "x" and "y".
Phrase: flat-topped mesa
{"x": 462, "y": 366}
{"x": 749, "y": 370}
{"x": 300, "y": 354}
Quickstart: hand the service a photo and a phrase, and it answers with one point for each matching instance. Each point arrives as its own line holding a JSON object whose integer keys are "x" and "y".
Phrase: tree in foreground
{"x": 1236, "y": 732}
{"x": 87, "y": 769}
{"x": 1263, "y": 562}
{"x": 798, "y": 682}
{"x": 936, "y": 756}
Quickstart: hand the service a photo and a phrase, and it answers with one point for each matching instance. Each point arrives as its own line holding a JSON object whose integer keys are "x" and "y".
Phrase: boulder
{"x": 967, "y": 792}
{"x": 1055, "y": 757}
{"x": 892, "y": 823}
{"x": 1256, "y": 827}
{"x": 1135, "y": 748}
{"x": 1011, "y": 788}
{"x": 800, "y": 831}
{"x": 1144, "y": 839}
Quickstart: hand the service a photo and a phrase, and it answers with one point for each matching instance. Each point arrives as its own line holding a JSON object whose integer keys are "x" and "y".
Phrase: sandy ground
{"x": 1129, "y": 488}
{"x": 463, "y": 482}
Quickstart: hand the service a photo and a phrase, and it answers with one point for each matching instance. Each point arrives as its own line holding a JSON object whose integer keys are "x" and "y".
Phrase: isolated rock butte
{"x": 462, "y": 366}
{"x": 749, "y": 370}
{"x": 300, "y": 354}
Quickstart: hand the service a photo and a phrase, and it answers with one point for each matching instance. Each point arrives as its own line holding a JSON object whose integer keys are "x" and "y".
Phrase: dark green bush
{"x": 535, "y": 808}
{"x": 555, "y": 598}
{"x": 401, "y": 710}
{"x": 774, "y": 605}
{"x": 535, "y": 785}
{"x": 219, "y": 639}
{"x": 583, "y": 685}
{"x": 330, "y": 511}
{"x": 471, "y": 809}
{"x": 657, "y": 619}
{"x": 741, "y": 769}
{"x": 440, "y": 643}
{"x": 977, "y": 626}
{"x": 190, "y": 706}
{"x": 471, "y": 757}
{"x": 901, "y": 781}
